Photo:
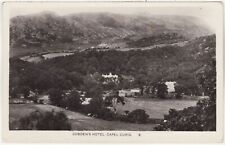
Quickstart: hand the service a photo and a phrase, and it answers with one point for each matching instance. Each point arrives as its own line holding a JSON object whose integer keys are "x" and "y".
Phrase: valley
{"x": 106, "y": 71}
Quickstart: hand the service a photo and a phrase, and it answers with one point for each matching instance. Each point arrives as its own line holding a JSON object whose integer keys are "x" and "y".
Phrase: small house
{"x": 43, "y": 99}
{"x": 125, "y": 93}
{"x": 19, "y": 101}
{"x": 129, "y": 92}
{"x": 136, "y": 91}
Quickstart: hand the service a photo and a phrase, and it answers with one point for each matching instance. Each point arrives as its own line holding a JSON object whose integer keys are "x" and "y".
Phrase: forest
{"x": 170, "y": 63}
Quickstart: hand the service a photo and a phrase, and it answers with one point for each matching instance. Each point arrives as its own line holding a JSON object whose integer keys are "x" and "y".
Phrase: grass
{"x": 155, "y": 108}
{"x": 77, "y": 120}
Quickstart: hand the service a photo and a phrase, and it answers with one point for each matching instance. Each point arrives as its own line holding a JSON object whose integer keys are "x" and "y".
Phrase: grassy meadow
{"x": 155, "y": 108}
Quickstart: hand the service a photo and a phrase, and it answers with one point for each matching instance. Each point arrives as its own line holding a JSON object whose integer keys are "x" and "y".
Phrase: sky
{"x": 207, "y": 13}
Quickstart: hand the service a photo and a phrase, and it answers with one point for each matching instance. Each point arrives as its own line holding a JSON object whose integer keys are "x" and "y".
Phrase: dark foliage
{"x": 199, "y": 118}
{"x": 202, "y": 117}
{"x": 45, "y": 121}
{"x": 179, "y": 90}
{"x": 96, "y": 104}
{"x": 56, "y": 96}
{"x": 73, "y": 101}
{"x": 82, "y": 70}
{"x": 157, "y": 39}
{"x": 162, "y": 90}
{"x": 137, "y": 116}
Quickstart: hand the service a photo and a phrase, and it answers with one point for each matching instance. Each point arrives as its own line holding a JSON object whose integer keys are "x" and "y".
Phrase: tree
{"x": 92, "y": 87}
{"x": 110, "y": 86}
{"x": 45, "y": 121}
{"x": 179, "y": 90}
{"x": 73, "y": 101}
{"x": 56, "y": 96}
{"x": 201, "y": 117}
{"x": 94, "y": 92}
{"x": 161, "y": 90}
{"x": 96, "y": 104}
{"x": 140, "y": 81}
{"x": 138, "y": 116}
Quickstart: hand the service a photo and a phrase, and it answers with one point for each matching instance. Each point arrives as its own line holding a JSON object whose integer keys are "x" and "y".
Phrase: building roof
{"x": 110, "y": 75}
{"x": 44, "y": 97}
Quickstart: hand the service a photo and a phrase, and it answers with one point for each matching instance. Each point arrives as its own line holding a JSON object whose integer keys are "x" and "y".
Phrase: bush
{"x": 56, "y": 96}
{"x": 199, "y": 118}
{"x": 96, "y": 104}
{"x": 45, "y": 121}
{"x": 73, "y": 101}
{"x": 137, "y": 116}
{"x": 202, "y": 117}
{"x": 179, "y": 90}
{"x": 162, "y": 90}
{"x": 97, "y": 108}
{"x": 106, "y": 114}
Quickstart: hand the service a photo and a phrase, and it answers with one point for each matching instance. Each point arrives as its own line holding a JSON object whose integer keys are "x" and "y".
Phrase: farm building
{"x": 136, "y": 91}
{"x": 103, "y": 45}
{"x": 43, "y": 99}
{"x": 19, "y": 101}
{"x": 129, "y": 92}
{"x": 125, "y": 93}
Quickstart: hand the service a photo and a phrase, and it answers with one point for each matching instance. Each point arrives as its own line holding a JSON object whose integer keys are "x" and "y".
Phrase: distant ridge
{"x": 46, "y": 30}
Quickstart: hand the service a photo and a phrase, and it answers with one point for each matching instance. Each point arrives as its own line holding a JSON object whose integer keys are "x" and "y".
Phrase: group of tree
{"x": 201, "y": 117}
{"x": 45, "y": 121}
{"x": 83, "y": 70}
{"x": 164, "y": 38}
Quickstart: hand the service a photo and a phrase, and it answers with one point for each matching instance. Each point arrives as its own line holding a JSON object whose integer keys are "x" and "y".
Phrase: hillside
{"x": 77, "y": 120}
{"x": 176, "y": 63}
{"x": 47, "y": 31}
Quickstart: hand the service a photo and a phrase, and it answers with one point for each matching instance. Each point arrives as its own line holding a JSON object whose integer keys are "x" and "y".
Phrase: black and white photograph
{"x": 113, "y": 68}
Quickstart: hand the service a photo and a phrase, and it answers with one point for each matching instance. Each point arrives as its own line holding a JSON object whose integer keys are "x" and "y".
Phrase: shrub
{"x": 45, "y": 121}
{"x": 197, "y": 118}
{"x": 162, "y": 90}
{"x": 137, "y": 116}
{"x": 106, "y": 114}
{"x": 179, "y": 90}
{"x": 56, "y": 96}
{"x": 95, "y": 105}
{"x": 202, "y": 117}
{"x": 73, "y": 101}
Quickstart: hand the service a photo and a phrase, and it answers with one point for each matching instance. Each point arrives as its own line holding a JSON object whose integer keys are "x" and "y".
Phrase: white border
{"x": 149, "y": 136}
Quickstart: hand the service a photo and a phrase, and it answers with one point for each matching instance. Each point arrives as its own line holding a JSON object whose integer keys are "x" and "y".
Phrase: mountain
{"x": 47, "y": 31}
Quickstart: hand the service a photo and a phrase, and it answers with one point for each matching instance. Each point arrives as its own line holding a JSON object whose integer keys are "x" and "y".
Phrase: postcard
{"x": 112, "y": 72}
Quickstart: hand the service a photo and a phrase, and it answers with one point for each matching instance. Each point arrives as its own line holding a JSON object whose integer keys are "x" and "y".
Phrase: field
{"x": 52, "y": 55}
{"x": 154, "y": 107}
{"x": 78, "y": 121}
